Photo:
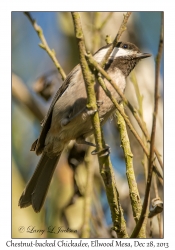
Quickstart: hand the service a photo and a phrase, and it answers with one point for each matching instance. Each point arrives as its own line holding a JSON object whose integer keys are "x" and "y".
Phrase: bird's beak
{"x": 143, "y": 55}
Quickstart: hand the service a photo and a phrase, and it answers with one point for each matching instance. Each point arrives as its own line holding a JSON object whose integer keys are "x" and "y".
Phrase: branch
{"x": 105, "y": 20}
{"x": 133, "y": 190}
{"x": 104, "y": 161}
{"x": 45, "y": 46}
{"x": 151, "y": 157}
{"x": 140, "y": 120}
{"x": 158, "y": 206}
{"x": 140, "y": 113}
{"x": 24, "y": 96}
{"x": 97, "y": 27}
{"x": 88, "y": 195}
{"x": 121, "y": 30}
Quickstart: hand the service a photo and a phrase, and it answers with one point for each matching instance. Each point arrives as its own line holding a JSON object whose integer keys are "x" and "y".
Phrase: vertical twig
{"x": 151, "y": 155}
{"x": 133, "y": 190}
{"x": 97, "y": 28}
{"x": 106, "y": 20}
{"x": 121, "y": 30}
{"x": 140, "y": 112}
{"x": 144, "y": 138}
{"x": 88, "y": 195}
{"x": 157, "y": 196}
{"x": 95, "y": 36}
{"x": 160, "y": 226}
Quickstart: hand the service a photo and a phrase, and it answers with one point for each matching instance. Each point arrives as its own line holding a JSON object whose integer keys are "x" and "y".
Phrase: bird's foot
{"x": 104, "y": 152}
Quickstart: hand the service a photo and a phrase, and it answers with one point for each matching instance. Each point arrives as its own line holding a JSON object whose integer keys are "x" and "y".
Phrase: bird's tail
{"x": 35, "y": 192}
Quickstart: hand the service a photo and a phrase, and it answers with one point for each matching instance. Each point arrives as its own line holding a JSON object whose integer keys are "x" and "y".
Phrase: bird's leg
{"x": 105, "y": 151}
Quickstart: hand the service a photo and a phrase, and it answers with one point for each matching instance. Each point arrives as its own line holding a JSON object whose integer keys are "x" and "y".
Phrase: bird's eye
{"x": 125, "y": 46}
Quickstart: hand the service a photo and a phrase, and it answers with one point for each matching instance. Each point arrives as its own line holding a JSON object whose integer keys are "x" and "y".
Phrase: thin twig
{"x": 138, "y": 94}
{"x": 97, "y": 28}
{"x": 106, "y": 20}
{"x": 158, "y": 215}
{"x": 133, "y": 190}
{"x": 121, "y": 30}
{"x": 96, "y": 34}
{"x": 45, "y": 46}
{"x": 160, "y": 226}
{"x": 140, "y": 112}
{"x": 145, "y": 141}
{"x": 88, "y": 195}
{"x": 140, "y": 120}
{"x": 155, "y": 187}
{"x": 151, "y": 155}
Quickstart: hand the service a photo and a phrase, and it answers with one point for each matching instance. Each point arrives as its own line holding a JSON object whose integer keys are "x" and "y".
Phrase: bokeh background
{"x": 32, "y": 66}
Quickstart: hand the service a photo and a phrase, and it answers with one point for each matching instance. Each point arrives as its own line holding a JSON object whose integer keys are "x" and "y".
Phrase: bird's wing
{"x": 38, "y": 145}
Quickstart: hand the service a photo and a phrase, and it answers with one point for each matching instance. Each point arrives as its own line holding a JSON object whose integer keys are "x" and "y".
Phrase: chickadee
{"x": 67, "y": 118}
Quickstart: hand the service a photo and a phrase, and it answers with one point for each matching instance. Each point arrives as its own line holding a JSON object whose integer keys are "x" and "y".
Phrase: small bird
{"x": 67, "y": 118}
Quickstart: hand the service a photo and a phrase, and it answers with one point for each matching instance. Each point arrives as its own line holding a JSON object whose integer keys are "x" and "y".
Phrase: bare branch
{"x": 121, "y": 30}
{"x": 22, "y": 94}
{"x": 44, "y": 45}
{"x": 151, "y": 157}
{"x": 133, "y": 190}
